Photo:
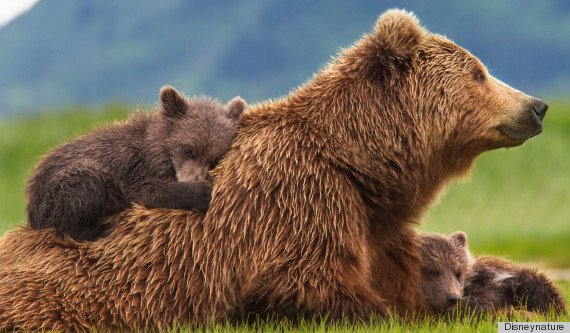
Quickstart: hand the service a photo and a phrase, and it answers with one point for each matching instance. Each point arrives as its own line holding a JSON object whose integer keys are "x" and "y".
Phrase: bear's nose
{"x": 452, "y": 299}
{"x": 539, "y": 108}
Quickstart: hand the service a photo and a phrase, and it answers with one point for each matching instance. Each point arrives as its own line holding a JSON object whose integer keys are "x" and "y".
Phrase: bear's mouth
{"x": 517, "y": 135}
{"x": 526, "y": 125}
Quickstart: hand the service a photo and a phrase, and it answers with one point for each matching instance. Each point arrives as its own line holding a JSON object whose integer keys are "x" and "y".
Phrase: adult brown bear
{"x": 312, "y": 208}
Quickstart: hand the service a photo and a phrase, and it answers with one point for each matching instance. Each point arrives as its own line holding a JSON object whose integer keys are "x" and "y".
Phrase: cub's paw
{"x": 201, "y": 194}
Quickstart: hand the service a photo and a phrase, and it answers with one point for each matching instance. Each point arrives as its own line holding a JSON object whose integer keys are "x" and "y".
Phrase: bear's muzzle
{"x": 527, "y": 123}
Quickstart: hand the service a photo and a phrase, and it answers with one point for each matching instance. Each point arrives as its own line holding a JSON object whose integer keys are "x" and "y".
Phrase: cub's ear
{"x": 459, "y": 238}
{"x": 235, "y": 108}
{"x": 398, "y": 34}
{"x": 172, "y": 102}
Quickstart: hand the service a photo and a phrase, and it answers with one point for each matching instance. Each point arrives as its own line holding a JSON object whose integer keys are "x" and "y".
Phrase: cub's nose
{"x": 539, "y": 108}
{"x": 452, "y": 299}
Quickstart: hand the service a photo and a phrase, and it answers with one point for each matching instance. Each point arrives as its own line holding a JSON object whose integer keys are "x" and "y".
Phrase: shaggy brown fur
{"x": 483, "y": 284}
{"x": 157, "y": 160}
{"x": 142, "y": 275}
{"x": 313, "y": 206}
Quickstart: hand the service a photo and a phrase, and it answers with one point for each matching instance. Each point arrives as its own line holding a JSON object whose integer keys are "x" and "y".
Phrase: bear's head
{"x": 473, "y": 109}
{"x": 426, "y": 94}
{"x": 197, "y": 132}
{"x": 445, "y": 263}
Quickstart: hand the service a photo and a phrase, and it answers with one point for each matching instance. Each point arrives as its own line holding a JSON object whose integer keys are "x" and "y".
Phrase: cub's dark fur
{"x": 453, "y": 280}
{"x": 159, "y": 159}
{"x": 496, "y": 283}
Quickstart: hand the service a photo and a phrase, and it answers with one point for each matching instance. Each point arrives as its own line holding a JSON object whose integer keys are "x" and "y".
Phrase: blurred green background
{"x": 90, "y": 53}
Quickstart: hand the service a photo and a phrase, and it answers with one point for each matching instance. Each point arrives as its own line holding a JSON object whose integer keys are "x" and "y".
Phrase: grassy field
{"x": 396, "y": 324}
{"x": 515, "y": 204}
{"x": 392, "y": 324}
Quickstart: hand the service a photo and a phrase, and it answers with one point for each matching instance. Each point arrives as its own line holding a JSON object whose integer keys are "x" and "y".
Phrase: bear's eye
{"x": 458, "y": 275}
{"x": 479, "y": 76}
{"x": 188, "y": 153}
{"x": 422, "y": 54}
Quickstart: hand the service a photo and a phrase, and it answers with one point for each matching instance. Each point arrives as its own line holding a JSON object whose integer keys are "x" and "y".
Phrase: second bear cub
{"x": 453, "y": 280}
{"x": 159, "y": 159}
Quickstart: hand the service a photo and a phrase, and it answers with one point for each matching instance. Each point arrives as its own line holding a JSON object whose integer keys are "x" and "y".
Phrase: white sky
{"x": 10, "y": 9}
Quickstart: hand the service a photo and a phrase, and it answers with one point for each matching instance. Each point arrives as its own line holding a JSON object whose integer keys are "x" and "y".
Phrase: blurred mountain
{"x": 89, "y": 52}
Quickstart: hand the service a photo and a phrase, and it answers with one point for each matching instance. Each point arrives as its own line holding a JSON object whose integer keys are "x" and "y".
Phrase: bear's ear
{"x": 235, "y": 108}
{"x": 459, "y": 238}
{"x": 173, "y": 103}
{"x": 398, "y": 34}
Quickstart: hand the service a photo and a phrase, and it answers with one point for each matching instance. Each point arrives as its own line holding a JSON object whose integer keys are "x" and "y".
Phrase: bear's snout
{"x": 530, "y": 124}
{"x": 526, "y": 123}
{"x": 539, "y": 108}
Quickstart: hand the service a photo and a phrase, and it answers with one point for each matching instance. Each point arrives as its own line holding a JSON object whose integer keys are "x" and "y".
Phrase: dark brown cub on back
{"x": 159, "y": 159}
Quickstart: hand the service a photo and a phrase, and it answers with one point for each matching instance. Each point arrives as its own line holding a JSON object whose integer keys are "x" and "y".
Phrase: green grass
{"x": 394, "y": 324}
{"x": 516, "y": 203}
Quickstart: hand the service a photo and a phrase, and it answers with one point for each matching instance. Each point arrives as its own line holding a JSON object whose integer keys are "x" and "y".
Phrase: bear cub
{"x": 445, "y": 264}
{"x": 158, "y": 159}
{"x": 453, "y": 280}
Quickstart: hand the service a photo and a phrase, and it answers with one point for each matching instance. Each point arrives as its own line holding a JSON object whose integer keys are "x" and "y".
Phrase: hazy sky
{"x": 9, "y": 9}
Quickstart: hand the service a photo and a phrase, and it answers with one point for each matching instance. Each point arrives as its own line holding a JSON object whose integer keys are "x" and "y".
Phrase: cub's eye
{"x": 479, "y": 76}
{"x": 458, "y": 275}
{"x": 430, "y": 272}
{"x": 188, "y": 153}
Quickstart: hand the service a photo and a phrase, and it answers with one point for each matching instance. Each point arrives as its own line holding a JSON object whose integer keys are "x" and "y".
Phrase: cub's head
{"x": 445, "y": 263}
{"x": 197, "y": 132}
